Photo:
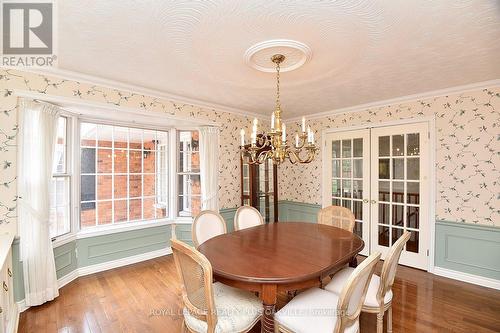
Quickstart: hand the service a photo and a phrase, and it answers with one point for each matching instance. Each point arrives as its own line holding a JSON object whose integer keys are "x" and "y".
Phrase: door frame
{"x": 431, "y": 122}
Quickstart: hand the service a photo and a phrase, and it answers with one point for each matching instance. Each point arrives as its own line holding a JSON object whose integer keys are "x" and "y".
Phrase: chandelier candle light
{"x": 273, "y": 145}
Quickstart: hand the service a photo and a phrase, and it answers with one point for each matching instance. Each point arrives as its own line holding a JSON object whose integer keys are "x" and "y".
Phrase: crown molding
{"x": 112, "y": 84}
{"x": 402, "y": 99}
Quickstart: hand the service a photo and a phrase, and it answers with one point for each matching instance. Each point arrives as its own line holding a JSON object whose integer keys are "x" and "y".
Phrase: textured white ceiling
{"x": 362, "y": 51}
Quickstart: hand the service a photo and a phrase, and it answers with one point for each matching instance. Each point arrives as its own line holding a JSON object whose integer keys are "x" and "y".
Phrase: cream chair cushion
{"x": 340, "y": 278}
{"x": 312, "y": 311}
{"x": 237, "y": 311}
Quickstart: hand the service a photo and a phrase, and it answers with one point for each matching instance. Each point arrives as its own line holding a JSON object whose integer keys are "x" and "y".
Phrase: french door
{"x": 382, "y": 175}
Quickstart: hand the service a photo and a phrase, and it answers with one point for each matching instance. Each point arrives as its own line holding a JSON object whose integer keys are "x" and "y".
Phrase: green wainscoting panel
{"x": 468, "y": 248}
{"x": 101, "y": 249}
{"x": 183, "y": 232}
{"x": 65, "y": 257}
{"x": 228, "y": 215}
{"x": 297, "y": 211}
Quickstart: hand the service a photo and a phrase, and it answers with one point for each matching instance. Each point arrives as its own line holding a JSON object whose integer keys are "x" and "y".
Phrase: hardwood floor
{"x": 145, "y": 298}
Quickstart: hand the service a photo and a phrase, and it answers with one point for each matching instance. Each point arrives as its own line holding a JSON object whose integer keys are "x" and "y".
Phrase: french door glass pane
{"x": 383, "y": 236}
{"x": 346, "y": 169}
{"x": 384, "y": 146}
{"x": 413, "y": 168}
{"x": 346, "y": 148}
{"x": 413, "y": 192}
{"x": 398, "y": 168}
{"x": 398, "y": 192}
{"x": 336, "y": 149}
{"x": 413, "y": 144}
{"x": 358, "y": 168}
{"x": 412, "y": 244}
{"x": 357, "y": 189}
{"x": 384, "y": 191}
{"x": 336, "y": 168}
{"x": 336, "y": 188}
{"x": 383, "y": 168}
{"x": 398, "y": 146}
{"x": 358, "y": 147}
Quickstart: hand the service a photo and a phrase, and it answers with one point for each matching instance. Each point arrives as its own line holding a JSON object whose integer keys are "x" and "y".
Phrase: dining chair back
{"x": 206, "y": 225}
{"x": 390, "y": 266}
{"x": 247, "y": 217}
{"x": 354, "y": 291}
{"x": 195, "y": 273}
{"x": 337, "y": 216}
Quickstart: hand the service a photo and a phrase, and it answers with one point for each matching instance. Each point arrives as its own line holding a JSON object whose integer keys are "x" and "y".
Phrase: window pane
{"x": 346, "y": 188}
{"x": 104, "y": 161}
{"x": 88, "y": 135}
{"x": 412, "y": 217}
{"x": 135, "y": 137}
{"x": 135, "y": 186}
{"x": 135, "y": 161}
{"x": 120, "y": 137}
{"x": 413, "y": 193}
{"x": 383, "y": 236}
{"x": 105, "y": 212}
{"x": 88, "y": 160}
{"x": 383, "y": 168}
{"x": 60, "y": 222}
{"x": 357, "y": 189}
{"x": 104, "y": 187}
{"x": 149, "y": 185}
{"x": 188, "y": 168}
{"x": 412, "y": 244}
{"x": 120, "y": 210}
{"x": 105, "y": 136}
{"x": 398, "y": 192}
{"x": 121, "y": 186}
{"x": 398, "y": 168}
{"x": 87, "y": 214}
{"x": 149, "y": 208}
{"x": 59, "y": 162}
{"x": 149, "y": 138}
{"x": 336, "y": 168}
{"x": 346, "y": 168}
{"x": 135, "y": 209}
{"x": 87, "y": 188}
{"x": 121, "y": 157}
{"x": 397, "y": 215}
{"x": 149, "y": 161}
{"x": 336, "y": 187}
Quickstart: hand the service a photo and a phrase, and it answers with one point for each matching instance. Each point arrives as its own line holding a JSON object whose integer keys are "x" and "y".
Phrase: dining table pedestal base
{"x": 269, "y": 296}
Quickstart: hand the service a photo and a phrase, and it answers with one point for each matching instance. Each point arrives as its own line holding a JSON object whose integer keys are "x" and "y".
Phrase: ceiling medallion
{"x": 296, "y": 54}
{"x": 274, "y": 145}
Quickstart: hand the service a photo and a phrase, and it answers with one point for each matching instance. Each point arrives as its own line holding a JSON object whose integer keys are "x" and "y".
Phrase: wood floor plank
{"x": 145, "y": 297}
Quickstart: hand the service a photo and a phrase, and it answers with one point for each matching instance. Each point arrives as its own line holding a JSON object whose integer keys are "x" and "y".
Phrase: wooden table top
{"x": 285, "y": 252}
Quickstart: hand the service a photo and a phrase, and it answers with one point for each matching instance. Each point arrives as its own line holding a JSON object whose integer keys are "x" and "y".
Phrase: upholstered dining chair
{"x": 247, "y": 217}
{"x": 319, "y": 311}
{"x": 379, "y": 294}
{"x": 337, "y": 216}
{"x": 211, "y": 307}
{"x": 206, "y": 225}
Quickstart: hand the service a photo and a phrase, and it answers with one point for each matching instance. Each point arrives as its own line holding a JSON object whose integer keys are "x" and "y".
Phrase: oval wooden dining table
{"x": 278, "y": 257}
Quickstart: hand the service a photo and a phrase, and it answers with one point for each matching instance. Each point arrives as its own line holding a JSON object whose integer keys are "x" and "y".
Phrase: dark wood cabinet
{"x": 259, "y": 187}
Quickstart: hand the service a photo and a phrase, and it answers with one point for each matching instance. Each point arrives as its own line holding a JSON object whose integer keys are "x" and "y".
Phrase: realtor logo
{"x": 28, "y": 29}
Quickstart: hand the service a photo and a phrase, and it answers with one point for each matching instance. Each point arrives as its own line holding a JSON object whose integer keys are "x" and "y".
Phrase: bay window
{"x": 119, "y": 175}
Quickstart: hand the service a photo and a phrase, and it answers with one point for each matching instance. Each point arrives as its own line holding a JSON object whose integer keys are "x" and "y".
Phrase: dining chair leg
{"x": 380, "y": 322}
{"x": 389, "y": 320}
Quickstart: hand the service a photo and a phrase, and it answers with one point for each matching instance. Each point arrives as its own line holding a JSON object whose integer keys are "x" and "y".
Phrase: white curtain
{"x": 36, "y": 144}
{"x": 209, "y": 167}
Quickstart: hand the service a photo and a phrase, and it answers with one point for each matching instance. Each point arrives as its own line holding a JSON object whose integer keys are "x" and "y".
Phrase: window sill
{"x": 113, "y": 229}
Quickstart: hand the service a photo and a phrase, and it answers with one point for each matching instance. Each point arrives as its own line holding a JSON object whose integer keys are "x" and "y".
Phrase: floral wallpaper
{"x": 229, "y": 181}
{"x": 467, "y": 154}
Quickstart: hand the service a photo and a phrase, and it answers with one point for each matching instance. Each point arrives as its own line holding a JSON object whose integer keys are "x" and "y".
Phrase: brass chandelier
{"x": 274, "y": 145}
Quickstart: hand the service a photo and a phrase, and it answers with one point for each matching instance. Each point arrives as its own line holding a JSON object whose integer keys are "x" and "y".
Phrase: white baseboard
{"x": 82, "y": 271}
{"x": 466, "y": 277}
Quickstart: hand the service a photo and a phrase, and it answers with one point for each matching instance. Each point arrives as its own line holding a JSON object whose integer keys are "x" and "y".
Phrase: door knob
{"x": 373, "y": 201}
{"x": 366, "y": 200}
